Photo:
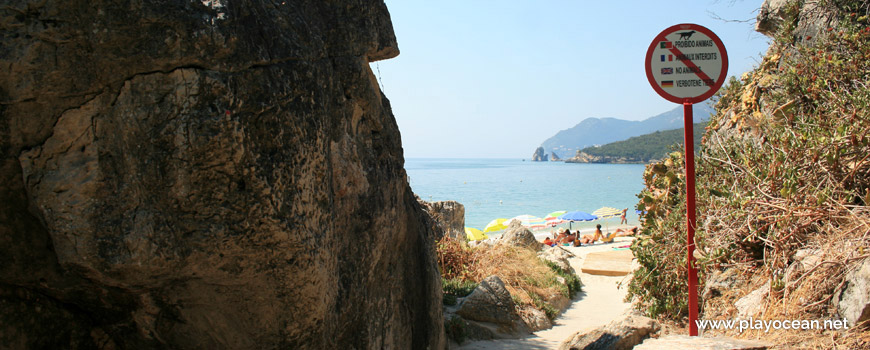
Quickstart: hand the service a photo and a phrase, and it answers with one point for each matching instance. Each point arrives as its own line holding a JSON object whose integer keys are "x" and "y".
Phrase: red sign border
{"x": 723, "y": 74}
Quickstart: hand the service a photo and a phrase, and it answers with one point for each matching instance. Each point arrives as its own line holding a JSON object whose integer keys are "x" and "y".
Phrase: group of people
{"x": 565, "y": 237}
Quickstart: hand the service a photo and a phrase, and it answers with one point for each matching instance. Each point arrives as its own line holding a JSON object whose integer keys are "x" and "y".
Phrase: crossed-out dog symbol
{"x": 686, "y": 35}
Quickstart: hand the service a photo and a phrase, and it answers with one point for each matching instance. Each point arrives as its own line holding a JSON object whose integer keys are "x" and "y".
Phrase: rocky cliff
{"x": 448, "y": 218}
{"x": 206, "y": 174}
{"x": 539, "y": 155}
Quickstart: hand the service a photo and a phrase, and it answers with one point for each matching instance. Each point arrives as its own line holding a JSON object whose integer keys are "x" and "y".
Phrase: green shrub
{"x": 455, "y": 327}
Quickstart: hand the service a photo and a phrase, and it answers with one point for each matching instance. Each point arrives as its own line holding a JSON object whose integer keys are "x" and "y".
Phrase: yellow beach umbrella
{"x": 607, "y": 212}
{"x": 474, "y": 234}
{"x": 495, "y": 225}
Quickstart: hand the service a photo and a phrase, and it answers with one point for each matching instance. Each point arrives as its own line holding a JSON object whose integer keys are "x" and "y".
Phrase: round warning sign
{"x": 686, "y": 63}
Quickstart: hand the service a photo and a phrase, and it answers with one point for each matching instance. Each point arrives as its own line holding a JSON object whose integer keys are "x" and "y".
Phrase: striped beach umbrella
{"x": 529, "y": 221}
{"x": 553, "y": 218}
{"x": 607, "y": 212}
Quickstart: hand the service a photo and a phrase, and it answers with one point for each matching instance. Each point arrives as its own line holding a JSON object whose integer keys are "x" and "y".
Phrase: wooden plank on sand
{"x": 609, "y": 263}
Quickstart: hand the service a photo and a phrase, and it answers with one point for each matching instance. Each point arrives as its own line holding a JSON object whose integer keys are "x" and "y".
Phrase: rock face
{"x": 206, "y": 174}
{"x": 621, "y": 334}
{"x": 813, "y": 18}
{"x": 491, "y": 302}
{"x": 539, "y": 155}
{"x": 854, "y": 300}
{"x": 448, "y": 218}
{"x": 554, "y": 157}
{"x": 519, "y": 236}
{"x": 753, "y": 303}
{"x": 558, "y": 256}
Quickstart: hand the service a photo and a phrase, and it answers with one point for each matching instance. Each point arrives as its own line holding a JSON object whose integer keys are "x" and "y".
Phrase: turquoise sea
{"x": 504, "y": 188}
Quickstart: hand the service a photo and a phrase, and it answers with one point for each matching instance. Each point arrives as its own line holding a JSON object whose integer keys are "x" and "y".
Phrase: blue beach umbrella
{"x": 578, "y": 216}
{"x": 572, "y": 216}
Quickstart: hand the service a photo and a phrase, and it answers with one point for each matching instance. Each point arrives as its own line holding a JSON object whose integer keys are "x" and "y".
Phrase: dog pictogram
{"x": 686, "y": 35}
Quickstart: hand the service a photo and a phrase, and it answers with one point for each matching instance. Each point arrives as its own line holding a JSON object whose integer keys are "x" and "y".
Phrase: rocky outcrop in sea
{"x": 206, "y": 174}
{"x": 540, "y": 155}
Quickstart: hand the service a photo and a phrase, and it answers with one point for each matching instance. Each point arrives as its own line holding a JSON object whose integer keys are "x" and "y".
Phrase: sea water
{"x": 504, "y": 188}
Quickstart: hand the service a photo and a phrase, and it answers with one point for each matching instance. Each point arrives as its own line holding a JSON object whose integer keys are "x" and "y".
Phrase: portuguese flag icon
{"x": 666, "y": 45}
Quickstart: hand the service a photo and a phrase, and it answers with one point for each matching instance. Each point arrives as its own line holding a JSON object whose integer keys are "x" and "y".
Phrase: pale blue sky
{"x": 494, "y": 79}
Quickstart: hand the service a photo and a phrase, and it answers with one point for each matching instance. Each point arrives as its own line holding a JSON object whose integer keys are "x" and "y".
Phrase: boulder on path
{"x": 558, "y": 256}
{"x": 518, "y": 236}
{"x": 491, "y": 302}
{"x": 622, "y": 333}
{"x": 684, "y": 342}
{"x": 854, "y": 301}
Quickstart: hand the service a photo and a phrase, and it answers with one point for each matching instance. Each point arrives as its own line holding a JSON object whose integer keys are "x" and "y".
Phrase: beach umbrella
{"x": 529, "y": 221}
{"x": 496, "y": 225}
{"x": 553, "y": 218}
{"x": 555, "y": 214}
{"x": 577, "y": 216}
{"x": 607, "y": 212}
{"x": 474, "y": 234}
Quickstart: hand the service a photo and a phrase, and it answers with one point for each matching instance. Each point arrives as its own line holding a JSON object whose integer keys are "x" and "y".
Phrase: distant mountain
{"x": 600, "y": 131}
{"x": 638, "y": 149}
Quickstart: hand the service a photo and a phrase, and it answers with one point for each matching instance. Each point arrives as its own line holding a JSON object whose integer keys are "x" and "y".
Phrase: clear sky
{"x": 494, "y": 79}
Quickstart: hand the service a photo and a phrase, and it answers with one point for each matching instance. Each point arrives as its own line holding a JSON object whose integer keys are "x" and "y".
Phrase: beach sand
{"x": 599, "y": 303}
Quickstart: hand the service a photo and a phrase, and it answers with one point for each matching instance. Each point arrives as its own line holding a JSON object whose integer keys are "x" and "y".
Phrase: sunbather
{"x": 606, "y": 238}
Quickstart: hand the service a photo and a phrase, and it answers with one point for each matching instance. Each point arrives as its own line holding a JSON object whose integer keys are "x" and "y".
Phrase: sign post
{"x": 687, "y": 64}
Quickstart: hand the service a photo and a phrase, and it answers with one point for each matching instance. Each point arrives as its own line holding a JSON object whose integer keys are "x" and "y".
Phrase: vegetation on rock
{"x": 785, "y": 166}
{"x": 642, "y": 149}
{"x": 530, "y": 280}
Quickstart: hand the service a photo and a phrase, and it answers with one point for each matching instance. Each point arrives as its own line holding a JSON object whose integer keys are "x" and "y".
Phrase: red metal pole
{"x": 689, "y": 140}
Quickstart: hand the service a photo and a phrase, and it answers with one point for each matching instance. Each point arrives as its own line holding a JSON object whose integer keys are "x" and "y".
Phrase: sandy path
{"x": 599, "y": 303}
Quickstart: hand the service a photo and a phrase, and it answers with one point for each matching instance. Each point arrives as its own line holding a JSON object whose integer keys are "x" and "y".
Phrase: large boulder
{"x": 620, "y": 334}
{"x": 558, "y": 256}
{"x": 491, "y": 302}
{"x": 206, "y": 174}
{"x": 518, "y": 236}
{"x": 853, "y": 302}
{"x": 448, "y": 218}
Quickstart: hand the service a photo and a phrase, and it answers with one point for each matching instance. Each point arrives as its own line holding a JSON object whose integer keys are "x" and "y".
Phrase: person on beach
{"x": 622, "y": 233}
{"x": 588, "y": 239}
{"x": 623, "y": 220}
{"x": 561, "y": 236}
{"x": 549, "y": 241}
{"x": 569, "y": 238}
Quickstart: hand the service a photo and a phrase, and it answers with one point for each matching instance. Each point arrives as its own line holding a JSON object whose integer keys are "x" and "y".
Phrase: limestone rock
{"x": 448, "y": 218}
{"x": 206, "y": 174}
{"x": 555, "y": 157}
{"x": 720, "y": 282}
{"x": 558, "y": 256}
{"x": 535, "y": 319}
{"x": 813, "y": 18}
{"x": 583, "y": 157}
{"x": 540, "y": 155}
{"x": 622, "y": 333}
{"x": 684, "y": 342}
{"x": 519, "y": 236}
{"x": 753, "y": 303}
{"x": 491, "y": 302}
{"x": 854, "y": 301}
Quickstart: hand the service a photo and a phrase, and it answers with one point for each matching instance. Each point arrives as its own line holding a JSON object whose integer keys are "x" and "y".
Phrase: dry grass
{"x": 529, "y": 279}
